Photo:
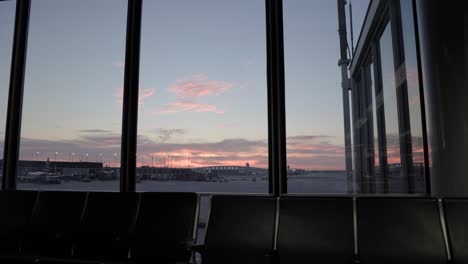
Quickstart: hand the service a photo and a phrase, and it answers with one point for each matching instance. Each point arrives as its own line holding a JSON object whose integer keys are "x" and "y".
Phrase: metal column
{"x": 15, "y": 98}
{"x": 345, "y": 85}
{"x": 276, "y": 101}
{"x": 130, "y": 97}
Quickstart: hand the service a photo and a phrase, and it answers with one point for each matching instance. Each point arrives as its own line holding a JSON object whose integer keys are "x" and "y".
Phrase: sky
{"x": 203, "y": 91}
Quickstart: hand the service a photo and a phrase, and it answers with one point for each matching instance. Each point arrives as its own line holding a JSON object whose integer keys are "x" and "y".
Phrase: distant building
{"x": 59, "y": 164}
{"x": 84, "y": 169}
{"x": 233, "y": 170}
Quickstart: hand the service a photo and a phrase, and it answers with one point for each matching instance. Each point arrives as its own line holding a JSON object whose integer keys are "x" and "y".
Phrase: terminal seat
{"x": 315, "y": 230}
{"x": 456, "y": 213}
{"x": 105, "y": 227}
{"x": 399, "y": 230}
{"x": 16, "y": 208}
{"x": 55, "y": 219}
{"x": 241, "y": 229}
{"x": 165, "y": 229}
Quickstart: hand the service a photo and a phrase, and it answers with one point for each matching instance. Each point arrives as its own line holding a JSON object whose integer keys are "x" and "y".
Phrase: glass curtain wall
{"x": 7, "y": 26}
{"x": 203, "y": 121}
{"x": 72, "y": 108}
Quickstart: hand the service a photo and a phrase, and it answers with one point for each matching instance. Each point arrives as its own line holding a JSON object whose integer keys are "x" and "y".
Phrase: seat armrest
{"x": 271, "y": 257}
{"x": 200, "y": 249}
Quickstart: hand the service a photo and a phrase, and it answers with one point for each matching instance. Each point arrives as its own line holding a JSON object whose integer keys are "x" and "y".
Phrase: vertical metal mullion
{"x": 276, "y": 99}
{"x": 271, "y": 174}
{"x": 345, "y": 85}
{"x": 370, "y": 126}
{"x": 356, "y": 135}
{"x": 380, "y": 112}
{"x": 423, "y": 103}
{"x": 363, "y": 130}
{"x": 130, "y": 97}
{"x": 406, "y": 152}
{"x": 15, "y": 97}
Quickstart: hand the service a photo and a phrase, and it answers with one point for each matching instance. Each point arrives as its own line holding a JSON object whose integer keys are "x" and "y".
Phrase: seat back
{"x": 106, "y": 225}
{"x": 400, "y": 230}
{"x": 456, "y": 214}
{"x": 240, "y": 229}
{"x": 315, "y": 229}
{"x": 16, "y": 209}
{"x": 54, "y": 221}
{"x": 165, "y": 227}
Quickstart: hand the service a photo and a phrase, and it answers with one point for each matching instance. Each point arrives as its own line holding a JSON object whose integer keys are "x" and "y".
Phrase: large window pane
{"x": 73, "y": 96}
{"x": 314, "y": 111}
{"x": 203, "y": 122}
{"x": 359, "y": 11}
{"x": 7, "y": 25}
{"x": 377, "y": 103}
{"x": 391, "y": 111}
{"x": 414, "y": 98}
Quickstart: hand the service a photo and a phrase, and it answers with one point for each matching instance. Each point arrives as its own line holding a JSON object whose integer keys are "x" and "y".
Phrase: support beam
{"x": 276, "y": 100}
{"x": 15, "y": 97}
{"x": 130, "y": 97}
{"x": 345, "y": 86}
{"x": 443, "y": 33}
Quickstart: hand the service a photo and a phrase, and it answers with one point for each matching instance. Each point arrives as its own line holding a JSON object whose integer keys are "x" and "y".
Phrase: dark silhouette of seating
{"x": 399, "y": 230}
{"x": 165, "y": 228}
{"x": 106, "y": 225}
{"x": 16, "y": 209}
{"x": 79, "y": 227}
{"x": 241, "y": 229}
{"x": 456, "y": 214}
{"x": 315, "y": 229}
{"x": 54, "y": 221}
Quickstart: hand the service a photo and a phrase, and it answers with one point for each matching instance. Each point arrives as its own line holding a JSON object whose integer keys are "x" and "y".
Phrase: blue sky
{"x": 202, "y": 82}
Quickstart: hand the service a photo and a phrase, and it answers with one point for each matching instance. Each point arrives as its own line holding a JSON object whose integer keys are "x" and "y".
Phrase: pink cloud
{"x": 144, "y": 94}
{"x": 199, "y": 85}
{"x": 118, "y": 95}
{"x": 119, "y": 64}
{"x": 185, "y": 106}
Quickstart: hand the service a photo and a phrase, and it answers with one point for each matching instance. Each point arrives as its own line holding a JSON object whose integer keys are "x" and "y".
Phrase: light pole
{"x": 73, "y": 156}
{"x": 115, "y": 160}
{"x": 86, "y": 159}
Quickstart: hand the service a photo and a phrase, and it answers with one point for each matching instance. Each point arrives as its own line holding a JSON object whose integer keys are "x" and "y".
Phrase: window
{"x": 7, "y": 25}
{"x": 416, "y": 173}
{"x": 203, "y": 122}
{"x": 377, "y": 103}
{"x": 367, "y": 86}
{"x": 392, "y": 137}
{"x": 74, "y": 71}
{"x": 314, "y": 109}
{"x": 359, "y": 11}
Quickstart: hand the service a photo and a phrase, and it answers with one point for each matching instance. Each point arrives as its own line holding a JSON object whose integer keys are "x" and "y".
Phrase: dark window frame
{"x": 386, "y": 10}
{"x": 389, "y": 13}
{"x": 276, "y": 102}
